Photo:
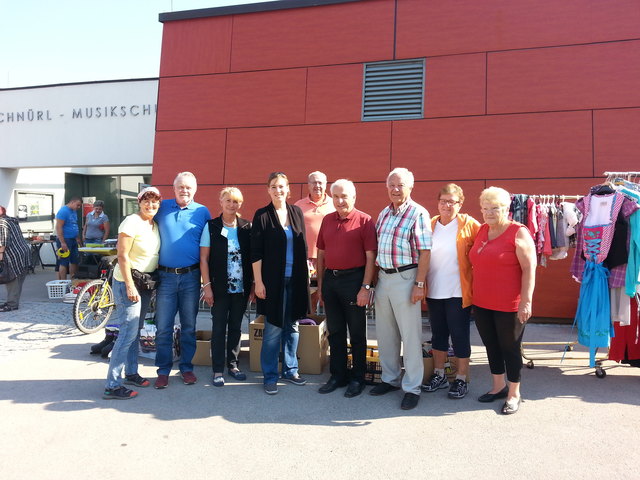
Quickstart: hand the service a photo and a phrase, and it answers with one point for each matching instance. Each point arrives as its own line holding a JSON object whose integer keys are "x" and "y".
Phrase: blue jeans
{"x": 274, "y": 339}
{"x": 124, "y": 355}
{"x": 177, "y": 293}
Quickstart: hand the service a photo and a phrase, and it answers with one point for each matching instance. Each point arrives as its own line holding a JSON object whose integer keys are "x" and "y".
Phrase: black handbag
{"x": 144, "y": 280}
{"x": 6, "y": 274}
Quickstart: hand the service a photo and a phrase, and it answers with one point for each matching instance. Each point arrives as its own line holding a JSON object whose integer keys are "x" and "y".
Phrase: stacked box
{"x": 312, "y": 347}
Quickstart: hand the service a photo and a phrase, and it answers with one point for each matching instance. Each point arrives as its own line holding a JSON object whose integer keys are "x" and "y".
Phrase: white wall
{"x": 83, "y": 125}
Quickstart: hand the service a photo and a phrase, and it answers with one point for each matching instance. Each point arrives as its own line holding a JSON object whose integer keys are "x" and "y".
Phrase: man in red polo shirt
{"x": 347, "y": 247}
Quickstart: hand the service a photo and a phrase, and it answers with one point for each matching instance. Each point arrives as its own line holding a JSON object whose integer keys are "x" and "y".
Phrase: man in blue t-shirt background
{"x": 181, "y": 222}
{"x": 68, "y": 237}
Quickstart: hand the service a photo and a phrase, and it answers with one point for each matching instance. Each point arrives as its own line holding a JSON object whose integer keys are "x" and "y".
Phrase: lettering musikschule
{"x": 81, "y": 113}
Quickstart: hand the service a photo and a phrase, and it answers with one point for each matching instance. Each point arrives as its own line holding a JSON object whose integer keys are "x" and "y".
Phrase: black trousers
{"x": 339, "y": 295}
{"x": 501, "y": 333}
{"x": 226, "y": 316}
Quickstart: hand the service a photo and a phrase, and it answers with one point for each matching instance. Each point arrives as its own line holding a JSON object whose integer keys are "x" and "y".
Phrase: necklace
{"x": 230, "y": 225}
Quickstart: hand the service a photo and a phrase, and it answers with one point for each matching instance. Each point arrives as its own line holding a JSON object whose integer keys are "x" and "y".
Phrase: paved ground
{"x": 55, "y": 424}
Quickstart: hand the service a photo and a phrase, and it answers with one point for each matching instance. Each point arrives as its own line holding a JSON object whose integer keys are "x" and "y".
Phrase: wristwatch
{"x": 366, "y": 286}
{"x": 419, "y": 284}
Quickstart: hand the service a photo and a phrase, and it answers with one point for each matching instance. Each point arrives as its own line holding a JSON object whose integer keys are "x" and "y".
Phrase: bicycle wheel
{"x": 93, "y": 306}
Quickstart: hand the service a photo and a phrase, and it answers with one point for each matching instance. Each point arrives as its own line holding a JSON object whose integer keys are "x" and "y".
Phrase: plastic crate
{"x": 373, "y": 373}
{"x": 58, "y": 288}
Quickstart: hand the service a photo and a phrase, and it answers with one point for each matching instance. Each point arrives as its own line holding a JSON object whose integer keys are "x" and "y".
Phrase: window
{"x": 393, "y": 90}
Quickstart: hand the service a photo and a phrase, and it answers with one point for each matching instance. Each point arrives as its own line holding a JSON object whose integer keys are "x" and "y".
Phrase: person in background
{"x": 504, "y": 261}
{"x": 227, "y": 276}
{"x": 314, "y": 207}
{"x": 404, "y": 243}
{"x": 138, "y": 247}
{"x": 68, "y": 237}
{"x": 346, "y": 265}
{"x": 96, "y": 225}
{"x": 449, "y": 289}
{"x": 15, "y": 250}
{"x": 279, "y": 260}
{"x": 181, "y": 221}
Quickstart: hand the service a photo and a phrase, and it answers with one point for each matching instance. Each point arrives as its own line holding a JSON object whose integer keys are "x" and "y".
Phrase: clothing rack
{"x": 562, "y": 198}
{"x": 566, "y": 346}
{"x": 622, "y": 174}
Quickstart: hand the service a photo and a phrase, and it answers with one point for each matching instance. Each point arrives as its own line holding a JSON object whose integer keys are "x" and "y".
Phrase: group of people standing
{"x": 451, "y": 260}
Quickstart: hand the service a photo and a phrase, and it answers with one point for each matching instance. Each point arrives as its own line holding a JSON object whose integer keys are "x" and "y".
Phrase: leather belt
{"x": 179, "y": 271}
{"x": 399, "y": 269}
{"x": 338, "y": 273}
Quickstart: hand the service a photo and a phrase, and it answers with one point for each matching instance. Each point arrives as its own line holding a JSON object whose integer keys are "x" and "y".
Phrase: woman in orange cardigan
{"x": 449, "y": 289}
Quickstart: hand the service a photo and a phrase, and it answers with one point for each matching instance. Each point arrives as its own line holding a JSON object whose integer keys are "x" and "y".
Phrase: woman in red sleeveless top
{"x": 504, "y": 260}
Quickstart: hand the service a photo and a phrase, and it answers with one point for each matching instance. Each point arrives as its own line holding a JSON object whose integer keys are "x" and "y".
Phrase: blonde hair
{"x": 233, "y": 192}
{"x": 496, "y": 195}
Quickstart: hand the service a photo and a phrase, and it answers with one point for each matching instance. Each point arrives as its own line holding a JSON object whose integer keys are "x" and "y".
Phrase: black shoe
{"x": 331, "y": 385}
{"x": 97, "y": 348}
{"x": 354, "y": 389}
{"x": 382, "y": 388}
{"x": 490, "y": 397}
{"x": 106, "y": 350}
{"x": 238, "y": 374}
{"x": 296, "y": 380}
{"x": 410, "y": 401}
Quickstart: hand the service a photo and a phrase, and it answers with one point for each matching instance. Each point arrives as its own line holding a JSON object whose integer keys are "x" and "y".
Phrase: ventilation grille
{"x": 393, "y": 90}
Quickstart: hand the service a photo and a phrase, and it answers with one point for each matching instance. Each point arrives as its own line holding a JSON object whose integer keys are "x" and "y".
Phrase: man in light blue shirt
{"x": 68, "y": 237}
{"x": 181, "y": 222}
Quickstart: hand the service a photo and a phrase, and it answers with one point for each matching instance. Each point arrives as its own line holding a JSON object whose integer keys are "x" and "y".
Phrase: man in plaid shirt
{"x": 404, "y": 248}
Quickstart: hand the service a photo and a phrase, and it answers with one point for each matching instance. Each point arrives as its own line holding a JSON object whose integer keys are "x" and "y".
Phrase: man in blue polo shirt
{"x": 181, "y": 222}
{"x": 68, "y": 237}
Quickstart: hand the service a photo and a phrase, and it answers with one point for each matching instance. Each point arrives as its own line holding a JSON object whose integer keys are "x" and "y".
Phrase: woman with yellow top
{"x": 449, "y": 289}
{"x": 138, "y": 247}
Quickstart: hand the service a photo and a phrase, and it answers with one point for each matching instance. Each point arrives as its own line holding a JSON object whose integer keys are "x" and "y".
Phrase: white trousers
{"x": 399, "y": 323}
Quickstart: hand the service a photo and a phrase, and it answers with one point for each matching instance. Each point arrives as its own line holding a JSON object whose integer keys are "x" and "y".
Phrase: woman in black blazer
{"x": 225, "y": 265}
{"x": 279, "y": 256}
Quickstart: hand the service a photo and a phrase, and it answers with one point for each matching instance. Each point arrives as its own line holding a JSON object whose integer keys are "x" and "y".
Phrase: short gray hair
{"x": 318, "y": 173}
{"x": 98, "y": 203}
{"x": 403, "y": 173}
{"x": 347, "y": 186}
{"x": 184, "y": 174}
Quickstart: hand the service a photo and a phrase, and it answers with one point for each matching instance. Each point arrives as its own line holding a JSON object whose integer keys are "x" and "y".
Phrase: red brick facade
{"x": 536, "y": 96}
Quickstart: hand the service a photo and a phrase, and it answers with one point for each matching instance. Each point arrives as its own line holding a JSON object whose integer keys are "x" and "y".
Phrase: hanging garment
{"x": 593, "y": 315}
{"x": 561, "y": 250}
{"x": 572, "y": 216}
{"x": 518, "y": 210}
{"x": 626, "y": 343}
{"x": 632, "y": 277}
{"x": 532, "y": 222}
{"x": 551, "y": 213}
{"x": 620, "y": 306}
{"x": 599, "y": 210}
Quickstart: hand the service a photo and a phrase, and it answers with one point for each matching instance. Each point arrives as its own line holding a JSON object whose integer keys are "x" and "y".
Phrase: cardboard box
{"x": 203, "y": 348}
{"x": 312, "y": 346}
{"x": 450, "y": 368}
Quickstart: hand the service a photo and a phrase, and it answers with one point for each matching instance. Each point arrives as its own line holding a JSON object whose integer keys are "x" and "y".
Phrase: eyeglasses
{"x": 494, "y": 210}
{"x": 449, "y": 203}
